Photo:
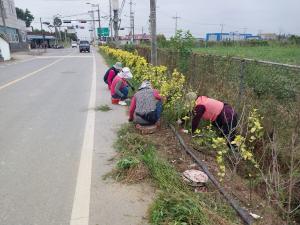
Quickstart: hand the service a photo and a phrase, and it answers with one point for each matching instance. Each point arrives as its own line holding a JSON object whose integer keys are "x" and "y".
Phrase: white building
{"x": 12, "y": 28}
{"x": 4, "y": 49}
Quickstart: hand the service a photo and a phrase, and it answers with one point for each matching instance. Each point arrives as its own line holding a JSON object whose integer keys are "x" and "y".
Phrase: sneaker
{"x": 122, "y": 103}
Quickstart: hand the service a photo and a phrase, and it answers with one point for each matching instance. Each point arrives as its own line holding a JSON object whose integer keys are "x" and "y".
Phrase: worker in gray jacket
{"x": 146, "y": 105}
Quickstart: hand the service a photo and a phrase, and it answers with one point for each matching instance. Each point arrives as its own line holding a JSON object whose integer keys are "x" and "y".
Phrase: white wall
{"x": 5, "y": 51}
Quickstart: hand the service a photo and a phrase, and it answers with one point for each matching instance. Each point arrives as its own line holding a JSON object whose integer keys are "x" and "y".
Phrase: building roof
{"x": 40, "y": 37}
{"x": 136, "y": 37}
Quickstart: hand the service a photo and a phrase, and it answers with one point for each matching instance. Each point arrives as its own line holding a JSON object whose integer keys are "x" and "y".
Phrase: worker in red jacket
{"x": 219, "y": 113}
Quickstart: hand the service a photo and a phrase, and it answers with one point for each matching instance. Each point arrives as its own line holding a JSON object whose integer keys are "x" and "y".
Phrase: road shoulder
{"x": 111, "y": 202}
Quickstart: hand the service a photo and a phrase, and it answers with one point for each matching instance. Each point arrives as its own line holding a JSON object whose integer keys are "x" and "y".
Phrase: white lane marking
{"x": 81, "y": 202}
{"x": 58, "y": 56}
{"x": 29, "y": 75}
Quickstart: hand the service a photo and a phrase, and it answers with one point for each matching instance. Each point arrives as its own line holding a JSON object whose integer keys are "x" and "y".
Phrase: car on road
{"x": 84, "y": 46}
{"x": 74, "y": 44}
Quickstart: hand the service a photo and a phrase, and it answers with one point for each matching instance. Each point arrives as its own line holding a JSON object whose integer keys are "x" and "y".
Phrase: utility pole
{"x": 176, "y": 22}
{"x": 115, "y": 7}
{"x": 42, "y": 32}
{"x": 222, "y": 27}
{"x": 153, "y": 32}
{"x": 110, "y": 22}
{"x": 131, "y": 22}
{"x": 99, "y": 15}
{"x": 93, "y": 30}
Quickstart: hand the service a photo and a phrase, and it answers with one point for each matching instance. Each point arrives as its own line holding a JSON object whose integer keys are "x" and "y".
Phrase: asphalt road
{"x": 55, "y": 147}
{"x": 44, "y": 103}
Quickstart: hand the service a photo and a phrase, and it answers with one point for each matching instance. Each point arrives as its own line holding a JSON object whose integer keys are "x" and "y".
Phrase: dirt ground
{"x": 238, "y": 188}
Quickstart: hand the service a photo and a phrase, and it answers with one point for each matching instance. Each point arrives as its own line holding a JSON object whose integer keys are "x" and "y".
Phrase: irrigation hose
{"x": 243, "y": 214}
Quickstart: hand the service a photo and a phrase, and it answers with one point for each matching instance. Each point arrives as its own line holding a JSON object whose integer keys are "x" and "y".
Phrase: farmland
{"x": 282, "y": 54}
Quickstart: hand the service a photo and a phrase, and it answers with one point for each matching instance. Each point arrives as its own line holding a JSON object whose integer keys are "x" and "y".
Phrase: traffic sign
{"x": 103, "y": 32}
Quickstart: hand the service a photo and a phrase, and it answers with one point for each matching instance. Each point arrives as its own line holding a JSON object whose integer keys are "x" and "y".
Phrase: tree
{"x": 25, "y": 16}
{"x": 162, "y": 41}
{"x": 183, "y": 43}
{"x": 20, "y": 13}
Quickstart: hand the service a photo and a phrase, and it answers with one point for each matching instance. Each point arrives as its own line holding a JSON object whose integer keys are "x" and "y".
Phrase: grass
{"x": 176, "y": 202}
{"x": 110, "y": 61}
{"x": 103, "y": 108}
{"x": 280, "y": 54}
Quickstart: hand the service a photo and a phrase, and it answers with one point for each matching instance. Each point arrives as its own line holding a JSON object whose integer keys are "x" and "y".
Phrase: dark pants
{"x": 227, "y": 122}
{"x": 124, "y": 91}
{"x": 151, "y": 117}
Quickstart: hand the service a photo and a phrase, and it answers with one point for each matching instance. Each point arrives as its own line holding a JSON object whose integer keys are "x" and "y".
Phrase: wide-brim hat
{"x": 118, "y": 65}
{"x": 125, "y": 73}
{"x": 145, "y": 84}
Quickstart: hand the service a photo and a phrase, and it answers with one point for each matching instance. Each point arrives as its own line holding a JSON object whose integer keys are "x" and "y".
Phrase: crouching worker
{"x": 119, "y": 86}
{"x": 146, "y": 105}
{"x": 220, "y": 114}
{"x": 111, "y": 73}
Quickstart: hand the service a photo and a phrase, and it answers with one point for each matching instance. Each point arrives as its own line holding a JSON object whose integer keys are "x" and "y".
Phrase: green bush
{"x": 127, "y": 163}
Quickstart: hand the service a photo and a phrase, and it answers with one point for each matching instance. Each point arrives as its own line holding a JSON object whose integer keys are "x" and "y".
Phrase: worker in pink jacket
{"x": 120, "y": 85}
{"x": 219, "y": 113}
{"x": 111, "y": 73}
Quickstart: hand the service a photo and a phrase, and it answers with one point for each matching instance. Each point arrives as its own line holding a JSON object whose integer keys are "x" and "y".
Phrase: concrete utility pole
{"x": 115, "y": 6}
{"x": 176, "y": 22}
{"x": 110, "y": 22}
{"x": 99, "y": 19}
{"x": 153, "y": 32}
{"x": 93, "y": 30}
{"x": 99, "y": 16}
{"x": 222, "y": 27}
{"x": 131, "y": 22}
{"x": 42, "y": 32}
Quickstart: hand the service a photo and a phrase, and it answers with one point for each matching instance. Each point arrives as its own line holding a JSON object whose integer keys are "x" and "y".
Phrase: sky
{"x": 198, "y": 16}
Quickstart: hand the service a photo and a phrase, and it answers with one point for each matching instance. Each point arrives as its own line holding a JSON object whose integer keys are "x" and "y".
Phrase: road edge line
{"x": 81, "y": 203}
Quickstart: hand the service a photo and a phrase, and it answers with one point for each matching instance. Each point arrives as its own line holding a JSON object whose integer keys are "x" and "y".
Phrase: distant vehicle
{"x": 84, "y": 46}
{"x": 74, "y": 44}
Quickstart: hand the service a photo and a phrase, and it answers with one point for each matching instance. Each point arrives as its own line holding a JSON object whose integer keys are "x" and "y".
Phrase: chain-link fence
{"x": 273, "y": 88}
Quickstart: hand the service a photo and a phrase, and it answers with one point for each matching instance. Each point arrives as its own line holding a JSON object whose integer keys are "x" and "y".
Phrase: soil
{"x": 169, "y": 148}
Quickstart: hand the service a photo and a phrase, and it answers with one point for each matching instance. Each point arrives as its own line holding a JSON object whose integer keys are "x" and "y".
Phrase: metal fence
{"x": 273, "y": 88}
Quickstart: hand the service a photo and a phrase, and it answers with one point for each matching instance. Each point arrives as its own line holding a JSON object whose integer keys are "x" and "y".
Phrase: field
{"x": 280, "y": 54}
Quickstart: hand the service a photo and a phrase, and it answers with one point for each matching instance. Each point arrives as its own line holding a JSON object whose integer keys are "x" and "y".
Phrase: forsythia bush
{"x": 169, "y": 86}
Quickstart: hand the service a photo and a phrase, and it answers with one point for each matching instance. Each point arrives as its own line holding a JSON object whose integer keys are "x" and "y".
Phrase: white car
{"x": 74, "y": 44}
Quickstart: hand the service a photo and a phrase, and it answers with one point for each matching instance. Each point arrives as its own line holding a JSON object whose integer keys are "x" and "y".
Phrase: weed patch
{"x": 103, "y": 108}
{"x": 176, "y": 202}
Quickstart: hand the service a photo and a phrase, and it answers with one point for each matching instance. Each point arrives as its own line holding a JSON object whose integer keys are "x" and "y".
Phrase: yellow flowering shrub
{"x": 169, "y": 86}
{"x": 241, "y": 148}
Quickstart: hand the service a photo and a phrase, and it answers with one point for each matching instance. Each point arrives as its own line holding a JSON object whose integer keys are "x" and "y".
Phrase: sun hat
{"x": 118, "y": 65}
{"x": 145, "y": 84}
{"x": 125, "y": 73}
